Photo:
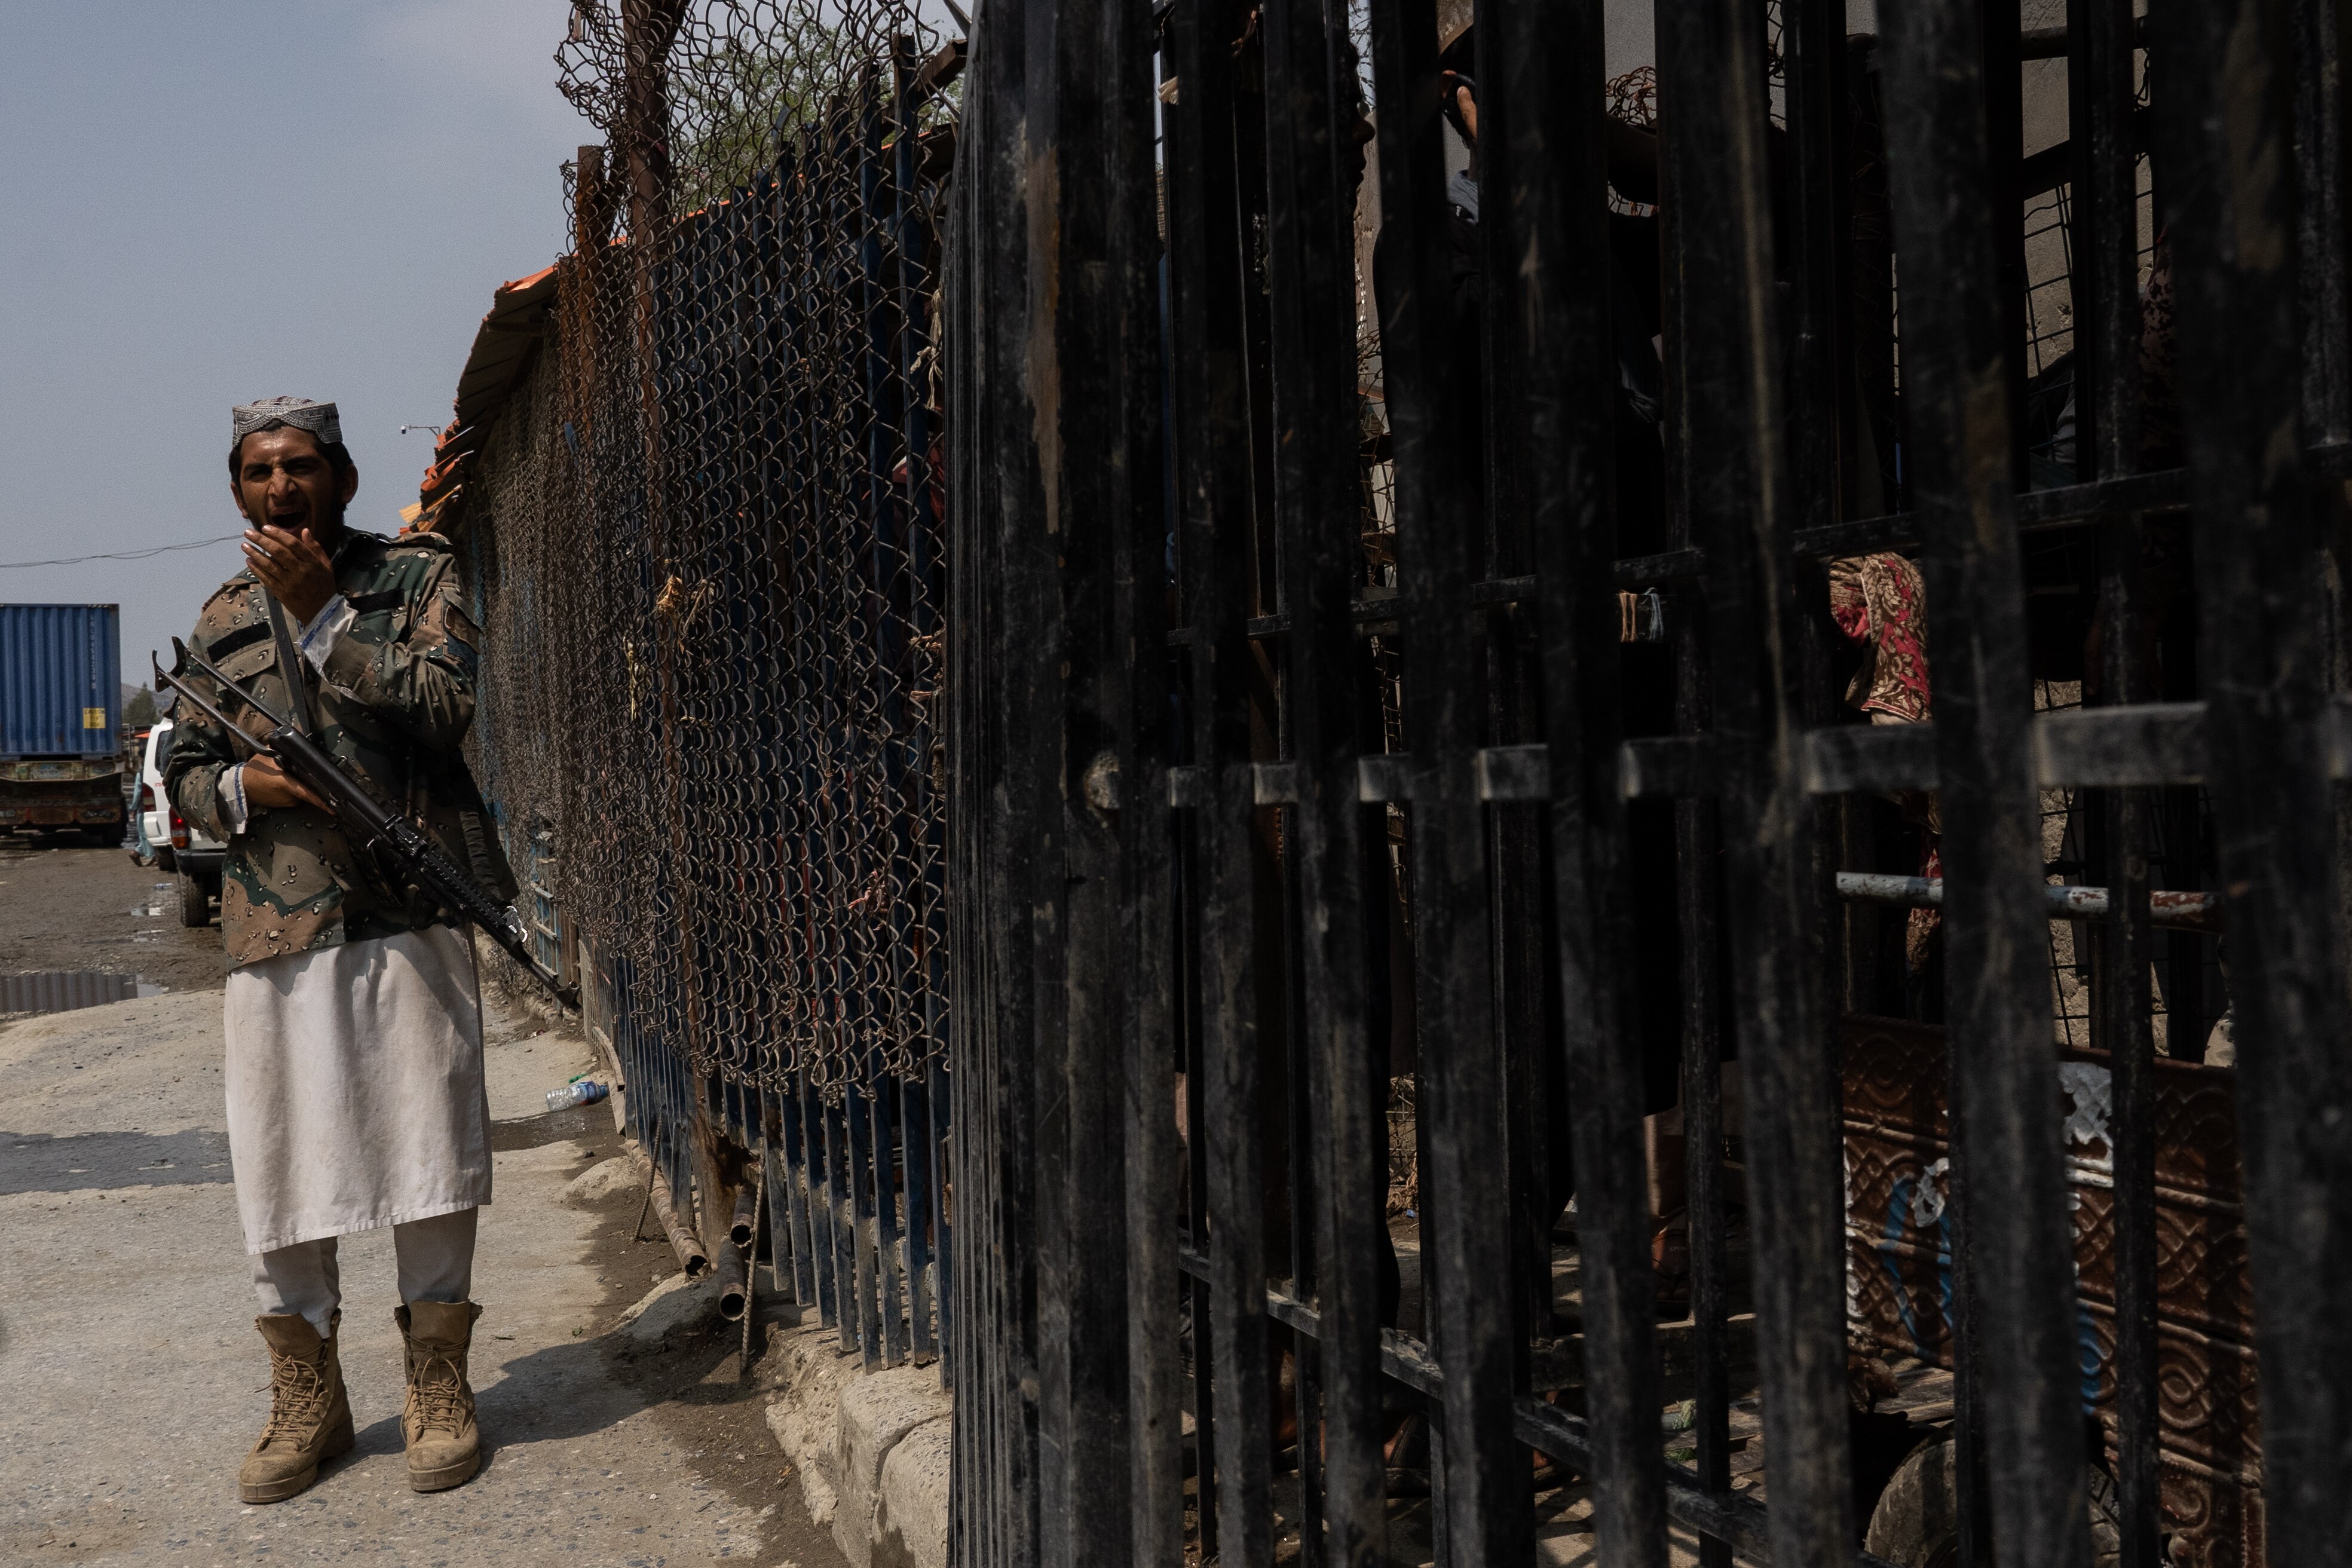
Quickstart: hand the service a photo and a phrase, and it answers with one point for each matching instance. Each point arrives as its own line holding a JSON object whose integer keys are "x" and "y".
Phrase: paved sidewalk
{"x": 131, "y": 1381}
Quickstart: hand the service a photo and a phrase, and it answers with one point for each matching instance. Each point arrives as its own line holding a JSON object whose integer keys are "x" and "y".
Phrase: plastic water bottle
{"x": 585, "y": 1091}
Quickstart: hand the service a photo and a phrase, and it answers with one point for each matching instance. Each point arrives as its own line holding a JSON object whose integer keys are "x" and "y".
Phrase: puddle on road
{"x": 67, "y": 990}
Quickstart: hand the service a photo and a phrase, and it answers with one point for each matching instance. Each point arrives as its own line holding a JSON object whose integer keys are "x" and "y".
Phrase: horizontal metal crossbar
{"x": 2068, "y": 901}
{"x": 2061, "y": 506}
{"x": 2142, "y": 745}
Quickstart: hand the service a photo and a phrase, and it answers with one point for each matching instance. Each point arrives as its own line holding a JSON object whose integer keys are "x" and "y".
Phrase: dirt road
{"x": 131, "y": 1381}
{"x": 77, "y": 911}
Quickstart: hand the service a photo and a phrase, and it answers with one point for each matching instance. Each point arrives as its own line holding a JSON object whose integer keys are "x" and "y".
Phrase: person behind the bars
{"x": 354, "y": 1039}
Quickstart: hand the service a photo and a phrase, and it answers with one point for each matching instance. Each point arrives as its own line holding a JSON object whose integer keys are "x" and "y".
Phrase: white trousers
{"x": 354, "y": 1087}
{"x": 436, "y": 1264}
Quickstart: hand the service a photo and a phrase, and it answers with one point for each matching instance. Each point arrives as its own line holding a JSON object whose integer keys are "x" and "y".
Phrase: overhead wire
{"x": 119, "y": 554}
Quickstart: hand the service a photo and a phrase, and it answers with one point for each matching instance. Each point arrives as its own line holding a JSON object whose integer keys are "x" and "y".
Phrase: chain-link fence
{"x": 706, "y": 535}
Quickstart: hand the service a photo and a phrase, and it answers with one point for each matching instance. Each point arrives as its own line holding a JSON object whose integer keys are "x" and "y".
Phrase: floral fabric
{"x": 1880, "y": 602}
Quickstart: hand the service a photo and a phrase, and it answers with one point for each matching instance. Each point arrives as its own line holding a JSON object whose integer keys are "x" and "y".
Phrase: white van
{"x": 179, "y": 846}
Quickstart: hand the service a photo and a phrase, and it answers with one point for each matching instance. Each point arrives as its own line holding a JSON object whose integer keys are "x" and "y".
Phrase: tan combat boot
{"x": 309, "y": 1415}
{"x": 445, "y": 1449}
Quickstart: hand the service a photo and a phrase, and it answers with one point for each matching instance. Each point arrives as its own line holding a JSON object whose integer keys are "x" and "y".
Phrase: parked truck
{"x": 62, "y": 771}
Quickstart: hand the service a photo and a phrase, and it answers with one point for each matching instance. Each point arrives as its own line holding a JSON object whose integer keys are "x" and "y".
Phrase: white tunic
{"x": 355, "y": 1093}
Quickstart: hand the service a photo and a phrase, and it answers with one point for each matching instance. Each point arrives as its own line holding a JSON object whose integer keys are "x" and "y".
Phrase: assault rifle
{"x": 380, "y": 836}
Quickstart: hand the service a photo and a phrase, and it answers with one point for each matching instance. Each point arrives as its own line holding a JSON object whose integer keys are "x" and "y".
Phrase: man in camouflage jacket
{"x": 355, "y": 1076}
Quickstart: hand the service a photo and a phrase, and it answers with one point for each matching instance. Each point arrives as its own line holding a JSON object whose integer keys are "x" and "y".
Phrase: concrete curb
{"x": 871, "y": 1451}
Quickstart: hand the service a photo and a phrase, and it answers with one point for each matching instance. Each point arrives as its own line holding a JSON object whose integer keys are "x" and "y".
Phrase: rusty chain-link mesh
{"x": 710, "y": 524}
{"x": 707, "y": 534}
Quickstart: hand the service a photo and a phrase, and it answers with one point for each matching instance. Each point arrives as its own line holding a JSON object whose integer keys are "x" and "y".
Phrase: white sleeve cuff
{"x": 231, "y": 790}
{"x": 318, "y": 634}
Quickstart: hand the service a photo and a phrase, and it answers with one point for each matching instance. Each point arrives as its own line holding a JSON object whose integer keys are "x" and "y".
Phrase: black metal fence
{"x": 1297, "y": 747}
{"x": 707, "y": 540}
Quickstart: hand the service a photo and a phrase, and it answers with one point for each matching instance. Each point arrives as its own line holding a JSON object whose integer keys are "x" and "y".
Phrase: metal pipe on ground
{"x": 690, "y": 1254}
{"x": 734, "y": 1283}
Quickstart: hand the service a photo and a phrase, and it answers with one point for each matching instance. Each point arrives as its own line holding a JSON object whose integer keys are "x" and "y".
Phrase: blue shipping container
{"x": 61, "y": 680}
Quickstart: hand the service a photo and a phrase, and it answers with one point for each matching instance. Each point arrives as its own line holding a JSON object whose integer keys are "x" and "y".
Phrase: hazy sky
{"x": 206, "y": 202}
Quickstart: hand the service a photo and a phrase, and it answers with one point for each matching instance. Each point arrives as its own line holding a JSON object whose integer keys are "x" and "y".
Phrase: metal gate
{"x": 1309, "y": 744}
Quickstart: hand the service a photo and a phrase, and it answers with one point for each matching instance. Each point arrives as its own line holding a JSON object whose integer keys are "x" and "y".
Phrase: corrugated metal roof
{"x": 503, "y": 346}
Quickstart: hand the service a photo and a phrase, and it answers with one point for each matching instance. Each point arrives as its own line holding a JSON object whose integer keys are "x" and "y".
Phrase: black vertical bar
{"x": 1698, "y": 854}
{"x": 1466, "y": 1211}
{"x": 1000, "y": 598}
{"x": 1301, "y": 1073}
{"x": 2231, "y": 211}
{"x": 841, "y": 1225}
{"x": 1545, "y": 109}
{"x": 681, "y": 1126}
{"x": 674, "y": 1148}
{"x": 1518, "y": 900}
{"x": 1813, "y": 52}
{"x": 2321, "y": 154}
{"x": 1719, "y": 282}
{"x": 859, "y": 1175}
{"x": 2319, "y": 164}
{"x": 1817, "y": 317}
{"x": 1212, "y": 447}
{"x": 1307, "y": 1411}
{"x": 1155, "y": 1477}
{"x": 1193, "y": 1229}
{"x": 915, "y": 1151}
{"x": 1309, "y": 206}
{"x": 2183, "y": 827}
{"x": 1504, "y": 545}
{"x": 1229, "y": 1139}
{"x": 888, "y": 1265}
{"x": 940, "y": 1101}
{"x": 1208, "y": 1496}
{"x": 2102, "y": 99}
{"x": 2124, "y": 996}
{"x": 1697, "y": 849}
{"x": 1092, "y": 390}
{"x": 812, "y": 1236}
{"x": 2008, "y": 1137}
{"x": 1994, "y": 39}
{"x": 775, "y": 1172}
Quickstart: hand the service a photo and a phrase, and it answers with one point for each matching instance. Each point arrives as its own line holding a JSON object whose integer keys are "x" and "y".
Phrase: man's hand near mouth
{"x": 294, "y": 567}
{"x": 293, "y": 491}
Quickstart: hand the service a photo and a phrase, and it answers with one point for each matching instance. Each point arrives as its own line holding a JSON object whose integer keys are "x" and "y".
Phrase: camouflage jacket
{"x": 393, "y": 706}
